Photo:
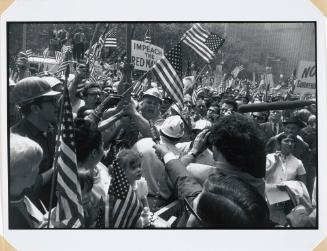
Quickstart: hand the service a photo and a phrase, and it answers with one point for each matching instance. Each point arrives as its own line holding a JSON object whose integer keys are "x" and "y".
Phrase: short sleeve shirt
{"x": 288, "y": 168}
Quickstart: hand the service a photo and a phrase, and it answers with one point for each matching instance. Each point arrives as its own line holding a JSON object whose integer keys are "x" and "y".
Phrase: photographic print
{"x": 162, "y": 125}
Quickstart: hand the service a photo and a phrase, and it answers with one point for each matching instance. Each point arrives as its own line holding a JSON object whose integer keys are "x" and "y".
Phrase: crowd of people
{"x": 226, "y": 169}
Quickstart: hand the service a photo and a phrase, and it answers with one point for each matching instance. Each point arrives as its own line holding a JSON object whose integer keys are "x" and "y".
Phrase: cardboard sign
{"x": 145, "y": 55}
{"x": 306, "y": 75}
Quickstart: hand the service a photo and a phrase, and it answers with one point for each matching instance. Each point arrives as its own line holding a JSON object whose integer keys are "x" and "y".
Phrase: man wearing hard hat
{"x": 153, "y": 169}
{"x": 149, "y": 111}
{"x": 38, "y": 104}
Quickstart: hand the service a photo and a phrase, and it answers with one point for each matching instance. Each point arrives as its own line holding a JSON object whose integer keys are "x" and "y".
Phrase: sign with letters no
{"x": 306, "y": 76}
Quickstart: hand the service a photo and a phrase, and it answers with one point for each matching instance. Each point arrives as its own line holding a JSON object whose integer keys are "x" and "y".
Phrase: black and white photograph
{"x": 162, "y": 125}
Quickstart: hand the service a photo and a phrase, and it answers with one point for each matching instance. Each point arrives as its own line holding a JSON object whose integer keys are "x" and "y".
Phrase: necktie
{"x": 275, "y": 129}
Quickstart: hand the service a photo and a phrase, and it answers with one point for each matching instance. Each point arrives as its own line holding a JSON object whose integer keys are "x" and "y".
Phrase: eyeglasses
{"x": 190, "y": 210}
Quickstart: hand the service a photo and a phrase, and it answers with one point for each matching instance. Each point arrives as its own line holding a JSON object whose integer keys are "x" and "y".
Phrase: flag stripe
{"x": 122, "y": 210}
{"x": 70, "y": 194}
{"x": 67, "y": 173}
{"x": 170, "y": 79}
{"x": 205, "y": 44}
{"x": 129, "y": 212}
{"x": 133, "y": 214}
{"x": 200, "y": 45}
{"x": 204, "y": 55}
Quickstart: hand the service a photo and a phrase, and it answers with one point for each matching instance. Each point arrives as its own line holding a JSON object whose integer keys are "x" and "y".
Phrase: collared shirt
{"x": 287, "y": 168}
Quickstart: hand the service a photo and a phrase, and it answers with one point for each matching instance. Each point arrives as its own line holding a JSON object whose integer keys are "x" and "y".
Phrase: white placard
{"x": 145, "y": 55}
{"x": 306, "y": 75}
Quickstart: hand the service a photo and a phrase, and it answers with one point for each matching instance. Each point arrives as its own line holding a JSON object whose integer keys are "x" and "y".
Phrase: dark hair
{"x": 284, "y": 136}
{"x": 89, "y": 86}
{"x": 240, "y": 141}
{"x": 231, "y": 102}
{"x": 228, "y": 202}
{"x": 86, "y": 139}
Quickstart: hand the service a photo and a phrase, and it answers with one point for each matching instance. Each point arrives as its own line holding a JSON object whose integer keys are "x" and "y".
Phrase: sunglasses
{"x": 190, "y": 210}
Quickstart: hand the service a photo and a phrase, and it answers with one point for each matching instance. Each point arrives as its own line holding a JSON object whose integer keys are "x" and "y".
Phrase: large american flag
{"x": 111, "y": 38}
{"x": 204, "y": 43}
{"x": 147, "y": 37}
{"x": 70, "y": 210}
{"x": 169, "y": 70}
{"x": 126, "y": 208}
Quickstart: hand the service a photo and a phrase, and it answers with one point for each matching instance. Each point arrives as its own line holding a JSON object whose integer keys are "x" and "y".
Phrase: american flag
{"x": 147, "y": 37}
{"x": 126, "y": 208}
{"x": 138, "y": 89}
{"x": 204, "y": 43}
{"x": 63, "y": 65}
{"x": 67, "y": 48}
{"x": 111, "y": 38}
{"x": 59, "y": 56}
{"x": 70, "y": 211}
{"x": 196, "y": 93}
{"x": 169, "y": 70}
{"x": 29, "y": 53}
{"x": 237, "y": 70}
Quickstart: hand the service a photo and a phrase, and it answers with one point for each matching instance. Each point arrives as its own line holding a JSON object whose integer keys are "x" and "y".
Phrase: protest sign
{"x": 306, "y": 75}
{"x": 145, "y": 55}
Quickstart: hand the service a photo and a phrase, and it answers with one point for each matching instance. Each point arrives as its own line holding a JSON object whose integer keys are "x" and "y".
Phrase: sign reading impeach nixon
{"x": 306, "y": 75}
{"x": 145, "y": 55}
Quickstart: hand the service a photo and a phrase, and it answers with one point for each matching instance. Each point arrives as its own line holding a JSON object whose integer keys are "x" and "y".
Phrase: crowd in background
{"x": 227, "y": 169}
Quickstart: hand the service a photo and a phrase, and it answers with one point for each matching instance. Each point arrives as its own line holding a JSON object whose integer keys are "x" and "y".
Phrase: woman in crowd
{"x": 89, "y": 152}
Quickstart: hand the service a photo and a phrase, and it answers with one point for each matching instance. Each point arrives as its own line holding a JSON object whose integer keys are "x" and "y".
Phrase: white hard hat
{"x": 173, "y": 127}
{"x": 202, "y": 124}
{"x": 153, "y": 92}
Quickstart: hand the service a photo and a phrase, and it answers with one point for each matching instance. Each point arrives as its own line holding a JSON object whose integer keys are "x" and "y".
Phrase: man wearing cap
{"x": 160, "y": 187}
{"x": 39, "y": 106}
